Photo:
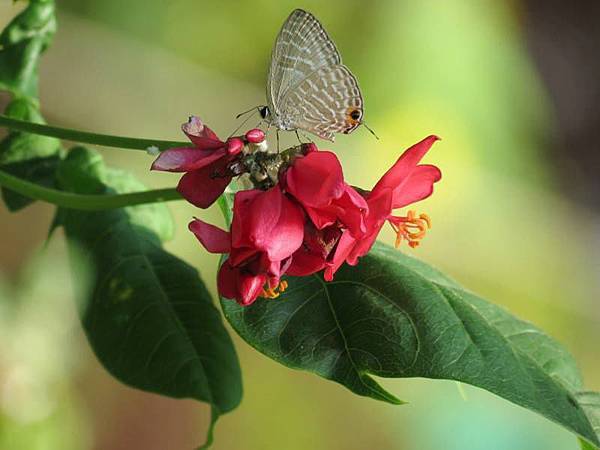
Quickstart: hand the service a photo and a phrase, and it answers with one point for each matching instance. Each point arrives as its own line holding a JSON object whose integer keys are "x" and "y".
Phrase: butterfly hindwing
{"x": 327, "y": 102}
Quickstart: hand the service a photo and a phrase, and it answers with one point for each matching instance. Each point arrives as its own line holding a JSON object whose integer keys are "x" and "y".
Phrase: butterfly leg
{"x": 308, "y": 139}
{"x": 277, "y": 133}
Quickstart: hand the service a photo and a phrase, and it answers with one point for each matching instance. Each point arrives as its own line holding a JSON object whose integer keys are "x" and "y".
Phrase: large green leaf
{"x": 27, "y": 156}
{"x": 149, "y": 318}
{"x": 21, "y": 43}
{"x": 393, "y": 316}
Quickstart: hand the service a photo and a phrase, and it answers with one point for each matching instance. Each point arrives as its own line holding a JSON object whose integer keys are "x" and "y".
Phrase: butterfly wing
{"x": 301, "y": 48}
{"x": 325, "y": 103}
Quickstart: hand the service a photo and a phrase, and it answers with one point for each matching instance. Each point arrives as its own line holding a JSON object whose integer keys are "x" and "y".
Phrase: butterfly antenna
{"x": 246, "y": 112}
{"x": 243, "y": 122}
{"x": 370, "y": 130}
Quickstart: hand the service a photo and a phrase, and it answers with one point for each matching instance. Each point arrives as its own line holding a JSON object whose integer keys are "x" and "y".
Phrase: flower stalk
{"x": 85, "y": 202}
{"x": 85, "y": 137}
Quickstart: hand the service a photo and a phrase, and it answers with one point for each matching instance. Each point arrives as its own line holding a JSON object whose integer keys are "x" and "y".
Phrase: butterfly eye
{"x": 264, "y": 112}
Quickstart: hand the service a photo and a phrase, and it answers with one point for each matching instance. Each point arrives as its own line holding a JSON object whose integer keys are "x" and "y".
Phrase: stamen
{"x": 272, "y": 293}
{"x": 411, "y": 228}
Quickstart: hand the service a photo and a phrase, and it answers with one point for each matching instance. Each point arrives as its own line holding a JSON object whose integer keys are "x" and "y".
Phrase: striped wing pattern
{"x": 323, "y": 102}
{"x": 302, "y": 47}
{"x": 308, "y": 86}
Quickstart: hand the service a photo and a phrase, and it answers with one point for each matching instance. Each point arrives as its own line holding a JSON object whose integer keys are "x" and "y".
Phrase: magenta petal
{"x": 201, "y": 187}
{"x": 176, "y": 159}
{"x": 185, "y": 159}
{"x": 203, "y": 137}
{"x": 212, "y": 238}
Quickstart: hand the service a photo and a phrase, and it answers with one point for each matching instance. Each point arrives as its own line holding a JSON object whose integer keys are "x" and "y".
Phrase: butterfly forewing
{"x": 301, "y": 48}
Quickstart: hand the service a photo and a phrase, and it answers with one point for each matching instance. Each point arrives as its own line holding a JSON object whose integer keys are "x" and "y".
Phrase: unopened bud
{"x": 255, "y": 136}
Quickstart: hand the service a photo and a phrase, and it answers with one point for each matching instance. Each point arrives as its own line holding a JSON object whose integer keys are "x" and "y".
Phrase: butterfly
{"x": 308, "y": 87}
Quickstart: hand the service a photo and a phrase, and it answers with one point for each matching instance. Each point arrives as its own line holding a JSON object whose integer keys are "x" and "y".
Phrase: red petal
{"x": 249, "y": 219}
{"x": 343, "y": 249}
{"x": 267, "y": 221}
{"x": 201, "y": 187}
{"x": 315, "y": 179}
{"x": 286, "y": 237}
{"x": 233, "y": 283}
{"x": 240, "y": 255}
{"x": 353, "y": 209}
{"x": 305, "y": 263}
{"x": 321, "y": 218}
{"x": 417, "y": 186}
{"x": 227, "y": 281}
{"x": 398, "y": 177}
{"x": 250, "y": 287}
{"x": 362, "y": 247}
{"x": 212, "y": 238}
{"x": 380, "y": 207}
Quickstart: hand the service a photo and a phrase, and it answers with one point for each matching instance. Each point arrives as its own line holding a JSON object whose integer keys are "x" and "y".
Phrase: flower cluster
{"x": 300, "y": 217}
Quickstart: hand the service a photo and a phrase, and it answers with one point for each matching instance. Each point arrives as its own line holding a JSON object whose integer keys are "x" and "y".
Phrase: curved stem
{"x": 85, "y": 202}
{"x": 88, "y": 138}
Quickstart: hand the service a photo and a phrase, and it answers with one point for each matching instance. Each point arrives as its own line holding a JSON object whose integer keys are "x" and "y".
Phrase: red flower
{"x": 267, "y": 229}
{"x": 316, "y": 250}
{"x": 317, "y": 182}
{"x": 404, "y": 183}
{"x": 207, "y": 164}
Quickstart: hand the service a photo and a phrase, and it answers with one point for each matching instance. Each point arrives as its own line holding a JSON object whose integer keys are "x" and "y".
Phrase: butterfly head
{"x": 264, "y": 112}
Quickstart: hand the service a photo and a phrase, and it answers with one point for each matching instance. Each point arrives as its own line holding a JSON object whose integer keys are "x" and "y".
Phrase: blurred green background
{"x": 514, "y": 217}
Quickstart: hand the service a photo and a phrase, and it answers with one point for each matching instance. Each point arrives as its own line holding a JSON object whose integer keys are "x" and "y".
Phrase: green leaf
{"x": 393, "y": 316}
{"x": 149, "y": 318}
{"x": 84, "y": 172}
{"x": 21, "y": 44}
{"x": 27, "y": 156}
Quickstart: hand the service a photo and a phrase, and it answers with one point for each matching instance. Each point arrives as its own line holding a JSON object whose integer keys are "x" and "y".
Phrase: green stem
{"x": 85, "y": 202}
{"x": 88, "y": 138}
{"x": 225, "y": 203}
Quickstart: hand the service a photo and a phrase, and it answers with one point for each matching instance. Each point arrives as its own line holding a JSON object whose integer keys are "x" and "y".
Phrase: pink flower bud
{"x": 234, "y": 145}
{"x": 255, "y": 136}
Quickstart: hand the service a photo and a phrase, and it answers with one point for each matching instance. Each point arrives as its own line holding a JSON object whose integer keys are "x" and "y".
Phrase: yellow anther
{"x": 272, "y": 293}
{"x": 411, "y": 228}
